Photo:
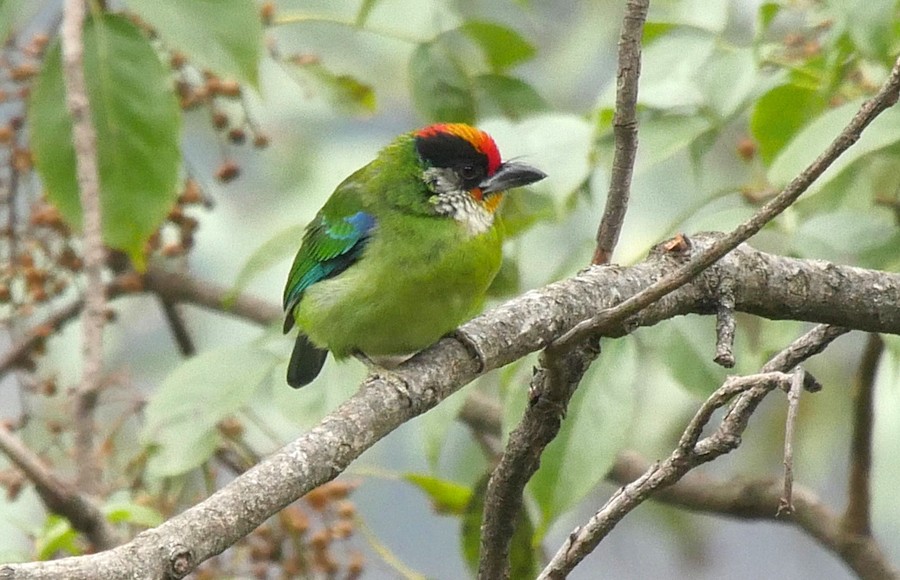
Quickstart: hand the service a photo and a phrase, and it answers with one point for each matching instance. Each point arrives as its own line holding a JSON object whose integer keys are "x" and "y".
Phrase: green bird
{"x": 403, "y": 251}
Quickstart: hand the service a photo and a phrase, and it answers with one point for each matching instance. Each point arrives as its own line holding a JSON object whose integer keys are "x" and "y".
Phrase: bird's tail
{"x": 306, "y": 362}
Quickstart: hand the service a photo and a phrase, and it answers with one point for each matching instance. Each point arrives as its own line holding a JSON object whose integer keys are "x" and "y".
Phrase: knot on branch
{"x": 181, "y": 561}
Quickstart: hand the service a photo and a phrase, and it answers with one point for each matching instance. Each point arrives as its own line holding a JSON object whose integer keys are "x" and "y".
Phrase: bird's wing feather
{"x": 330, "y": 246}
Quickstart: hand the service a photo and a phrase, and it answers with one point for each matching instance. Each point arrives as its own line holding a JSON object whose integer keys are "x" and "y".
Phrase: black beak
{"x": 509, "y": 175}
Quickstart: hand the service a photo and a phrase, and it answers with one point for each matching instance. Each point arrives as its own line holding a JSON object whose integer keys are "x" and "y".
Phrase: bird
{"x": 403, "y": 251}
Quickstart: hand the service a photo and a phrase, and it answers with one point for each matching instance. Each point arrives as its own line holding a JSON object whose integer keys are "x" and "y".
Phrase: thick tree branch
{"x": 765, "y": 285}
{"x": 886, "y": 97}
{"x": 624, "y": 128}
{"x": 58, "y": 496}
{"x": 564, "y": 362}
{"x": 94, "y": 315}
{"x": 177, "y": 287}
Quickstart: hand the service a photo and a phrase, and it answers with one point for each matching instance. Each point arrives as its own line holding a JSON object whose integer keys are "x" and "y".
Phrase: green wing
{"x": 330, "y": 246}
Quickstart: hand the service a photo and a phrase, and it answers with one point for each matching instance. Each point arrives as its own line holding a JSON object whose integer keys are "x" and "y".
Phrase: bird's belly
{"x": 395, "y": 310}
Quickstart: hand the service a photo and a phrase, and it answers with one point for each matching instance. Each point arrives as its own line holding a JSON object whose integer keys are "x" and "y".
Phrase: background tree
{"x": 143, "y": 383}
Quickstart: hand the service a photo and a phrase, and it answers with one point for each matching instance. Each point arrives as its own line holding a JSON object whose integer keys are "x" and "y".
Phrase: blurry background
{"x": 736, "y": 97}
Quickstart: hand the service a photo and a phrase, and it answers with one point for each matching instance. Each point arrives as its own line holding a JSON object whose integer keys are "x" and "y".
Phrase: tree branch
{"x": 759, "y": 500}
{"x": 857, "y": 520}
{"x": 625, "y": 129}
{"x": 745, "y": 393}
{"x": 765, "y": 285}
{"x": 886, "y": 97}
{"x": 565, "y": 361}
{"x": 94, "y": 316}
{"x": 58, "y": 496}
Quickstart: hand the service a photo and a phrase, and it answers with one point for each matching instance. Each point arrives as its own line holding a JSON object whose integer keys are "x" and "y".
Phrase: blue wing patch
{"x": 327, "y": 250}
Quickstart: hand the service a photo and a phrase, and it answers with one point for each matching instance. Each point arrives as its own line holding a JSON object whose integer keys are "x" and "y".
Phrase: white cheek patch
{"x": 450, "y": 199}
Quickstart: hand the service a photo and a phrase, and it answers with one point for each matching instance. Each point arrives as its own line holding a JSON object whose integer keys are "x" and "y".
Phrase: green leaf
{"x": 669, "y": 69}
{"x": 767, "y": 13}
{"x": 224, "y": 36}
{"x": 563, "y": 144}
{"x": 447, "y": 497}
{"x": 664, "y": 136}
{"x": 523, "y": 209}
{"x": 511, "y": 97}
{"x": 523, "y": 560}
{"x": 654, "y": 30}
{"x": 843, "y": 235}
{"x": 688, "y": 345}
{"x": 182, "y": 414}
{"x": 9, "y": 13}
{"x": 502, "y": 47}
{"x": 124, "y": 511}
{"x": 137, "y": 120}
{"x": 801, "y": 151}
{"x": 437, "y": 423}
{"x": 440, "y": 88}
{"x": 508, "y": 281}
{"x": 344, "y": 92}
{"x": 365, "y": 10}
{"x": 593, "y": 432}
{"x": 271, "y": 252}
{"x": 780, "y": 113}
{"x": 870, "y": 25}
{"x": 729, "y": 80}
{"x": 56, "y": 536}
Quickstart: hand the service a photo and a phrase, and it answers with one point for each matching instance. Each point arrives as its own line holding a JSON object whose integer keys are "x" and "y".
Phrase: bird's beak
{"x": 509, "y": 175}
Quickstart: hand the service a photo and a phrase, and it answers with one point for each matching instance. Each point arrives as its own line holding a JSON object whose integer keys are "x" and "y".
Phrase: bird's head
{"x": 463, "y": 171}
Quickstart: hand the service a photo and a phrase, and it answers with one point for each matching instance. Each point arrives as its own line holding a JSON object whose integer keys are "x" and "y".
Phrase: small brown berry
{"x": 318, "y": 498}
{"x": 228, "y": 171}
{"x": 261, "y": 141}
{"x": 267, "y": 12}
{"x": 6, "y": 134}
{"x": 346, "y": 509}
{"x": 23, "y": 72}
{"x": 294, "y": 520}
{"x": 219, "y": 120}
{"x": 342, "y": 529}
{"x": 191, "y": 193}
{"x": 231, "y": 427}
{"x": 177, "y": 60}
{"x": 172, "y": 250}
{"x": 230, "y": 88}
{"x": 320, "y": 540}
{"x": 237, "y": 136}
{"x": 746, "y": 148}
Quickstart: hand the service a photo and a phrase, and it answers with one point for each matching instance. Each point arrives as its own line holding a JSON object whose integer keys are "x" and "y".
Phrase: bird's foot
{"x": 383, "y": 369}
{"x": 471, "y": 345}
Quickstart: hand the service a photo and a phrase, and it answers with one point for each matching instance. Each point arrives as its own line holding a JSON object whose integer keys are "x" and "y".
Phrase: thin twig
{"x": 885, "y": 98}
{"x": 690, "y": 452}
{"x": 178, "y": 327}
{"x": 758, "y": 499}
{"x": 59, "y": 497}
{"x": 87, "y": 171}
{"x": 857, "y": 519}
{"x": 725, "y": 325}
{"x": 625, "y": 127}
{"x": 786, "y": 504}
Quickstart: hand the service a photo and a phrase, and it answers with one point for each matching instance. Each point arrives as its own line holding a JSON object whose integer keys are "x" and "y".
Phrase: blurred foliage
{"x": 733, "y": 103}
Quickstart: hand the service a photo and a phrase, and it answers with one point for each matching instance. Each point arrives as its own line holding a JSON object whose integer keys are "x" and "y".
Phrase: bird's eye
{"x": 469, "y": 172}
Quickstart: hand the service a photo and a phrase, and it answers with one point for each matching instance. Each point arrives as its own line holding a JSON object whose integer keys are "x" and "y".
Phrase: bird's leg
{"x": 383, "y": 369}
{"x": 371, "y": 365}
{"x": 471, "y": 345}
